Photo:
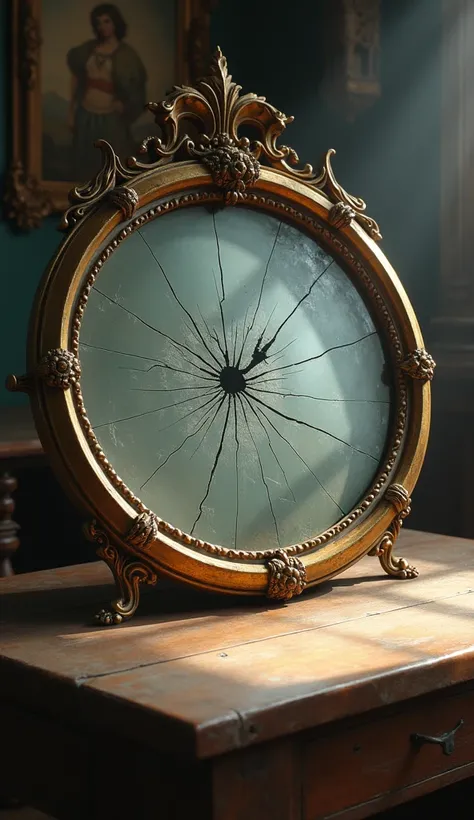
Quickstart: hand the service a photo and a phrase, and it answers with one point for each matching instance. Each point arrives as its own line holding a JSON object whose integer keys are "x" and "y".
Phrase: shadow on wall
{"x": 390, "y": 154}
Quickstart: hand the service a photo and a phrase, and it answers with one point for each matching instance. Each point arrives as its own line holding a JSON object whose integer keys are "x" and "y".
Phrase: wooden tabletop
{"x": 18, "y": 436}
{"x": 200, "y": 675}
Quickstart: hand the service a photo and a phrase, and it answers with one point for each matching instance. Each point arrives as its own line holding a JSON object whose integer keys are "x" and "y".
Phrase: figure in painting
{"x": 107, "y": 91}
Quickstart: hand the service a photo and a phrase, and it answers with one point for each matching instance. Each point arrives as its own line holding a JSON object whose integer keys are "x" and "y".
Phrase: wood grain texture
{"x": 208, "y": 681}
{"x": 378, "y": 758}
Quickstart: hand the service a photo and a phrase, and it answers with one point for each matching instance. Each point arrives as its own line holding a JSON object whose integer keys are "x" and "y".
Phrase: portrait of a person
{"x": 108, "y": 91}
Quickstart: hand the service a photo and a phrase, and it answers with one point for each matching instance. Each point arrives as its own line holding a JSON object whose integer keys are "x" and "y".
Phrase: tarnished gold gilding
{"x": 339, "y": 248}
{"x": 137, "y": 543}
{"x": 216, "y": 107}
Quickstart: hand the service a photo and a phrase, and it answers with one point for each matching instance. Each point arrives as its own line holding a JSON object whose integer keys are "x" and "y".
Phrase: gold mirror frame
{"x": 223, "y": 168}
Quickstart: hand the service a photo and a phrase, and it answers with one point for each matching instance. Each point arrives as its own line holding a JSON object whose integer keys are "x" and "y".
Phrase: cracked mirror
{"x": 233, "y": 376}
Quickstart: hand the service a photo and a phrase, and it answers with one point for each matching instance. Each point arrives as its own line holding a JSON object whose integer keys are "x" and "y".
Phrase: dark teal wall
{"x": 390, "y": 155}
{"x": 22, "y": 257}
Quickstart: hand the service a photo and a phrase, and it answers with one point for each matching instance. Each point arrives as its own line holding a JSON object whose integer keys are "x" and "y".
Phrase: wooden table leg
{"x": 9, "y": 541}
{"x": 258, "y": 783}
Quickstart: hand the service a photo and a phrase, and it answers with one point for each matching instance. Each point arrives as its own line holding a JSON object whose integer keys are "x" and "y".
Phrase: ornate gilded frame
{"x": 28, "y": 197}
{"x": 138, "y": 545}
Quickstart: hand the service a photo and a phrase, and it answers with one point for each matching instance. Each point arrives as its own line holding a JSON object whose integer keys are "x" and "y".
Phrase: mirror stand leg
{"x": 394, "y": 566}
{"x": 129, "y": 573}
{"x": 397, "y": 567}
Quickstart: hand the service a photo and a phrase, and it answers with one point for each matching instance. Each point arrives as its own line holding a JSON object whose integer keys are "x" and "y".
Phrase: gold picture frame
{"x": 224, "y": 168}
{"x": 29, "y": 196}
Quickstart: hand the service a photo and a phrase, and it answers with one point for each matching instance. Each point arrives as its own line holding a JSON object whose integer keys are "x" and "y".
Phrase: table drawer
{"x": 356, "y": 763}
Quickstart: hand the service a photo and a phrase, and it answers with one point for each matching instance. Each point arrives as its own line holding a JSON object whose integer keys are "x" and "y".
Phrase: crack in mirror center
{"x": 232, "y": 380}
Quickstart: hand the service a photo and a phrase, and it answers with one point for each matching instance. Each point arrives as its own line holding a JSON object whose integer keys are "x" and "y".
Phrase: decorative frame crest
{"x": 216, "y": 106}
{"x": 220, "y": 167}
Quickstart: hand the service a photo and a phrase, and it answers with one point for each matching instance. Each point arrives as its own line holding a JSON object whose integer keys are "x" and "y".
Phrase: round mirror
{"x": 224, "y": 368}
{"x": 234, "y": 377}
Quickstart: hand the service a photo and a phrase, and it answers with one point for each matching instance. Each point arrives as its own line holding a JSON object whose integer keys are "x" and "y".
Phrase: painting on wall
{"x": 84, "y": 71}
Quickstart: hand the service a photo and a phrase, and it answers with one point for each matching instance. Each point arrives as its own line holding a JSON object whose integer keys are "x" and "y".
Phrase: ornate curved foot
{"x": 397, "y": 567}
{"x": 128, "y": 573}
{"x": 107, "y": 617}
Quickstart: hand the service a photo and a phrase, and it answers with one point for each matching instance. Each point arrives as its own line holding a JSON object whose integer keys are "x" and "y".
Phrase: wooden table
{"x": 19, "y": 443}
{"x": 235, "y": 709}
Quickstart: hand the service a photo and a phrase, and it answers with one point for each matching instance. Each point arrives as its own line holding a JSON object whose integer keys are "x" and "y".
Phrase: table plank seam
{"x": 267, "y": 638}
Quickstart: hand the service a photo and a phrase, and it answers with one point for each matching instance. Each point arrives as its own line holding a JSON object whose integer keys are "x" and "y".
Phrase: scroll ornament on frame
{"x": 234, "y": 161}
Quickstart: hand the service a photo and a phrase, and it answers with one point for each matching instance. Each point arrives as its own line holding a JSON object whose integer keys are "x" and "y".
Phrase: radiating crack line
{"x": 273, "y": 379}
{"x": 315, "y": 398}
{"x": 262, "y": 473}
{"x": 221, "y": 402}
{"x": 262, "y": 285}
{"x": 313, "y": 358}
{"x": 201, "y": 423}
{"x": 155, "y": 329}
{"x": 256, "y": 349}
{"x": 167, "y": 389}
{"x": 298, "y": 304}
{"x": 213, "y": 336}
{"x": 237, "y": 490}
{"x": 174, "y": 369}
{"x": 234, "y": 351}
{"x": 312, "y": 427}
{"x": 119, "y": 352}
{"x": 221, "y": 299}
{"x": 221, "y": 313}
{"x": 159, "y": 363}
{"x": 272, "y": 355}
{"x": 221, "y": 269}
{"x": 188, "y": 314}
{"x": 244, "y": 338}
{"x": 262, "y": 412}
{"x": 259, "y": 353}
{"x": 214, "y": 467}
{"x": 214, "y": 373}
{"x": 186, "y": 415}
{"x": 270, "y": 445}
{"x": 156, "y": 410}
